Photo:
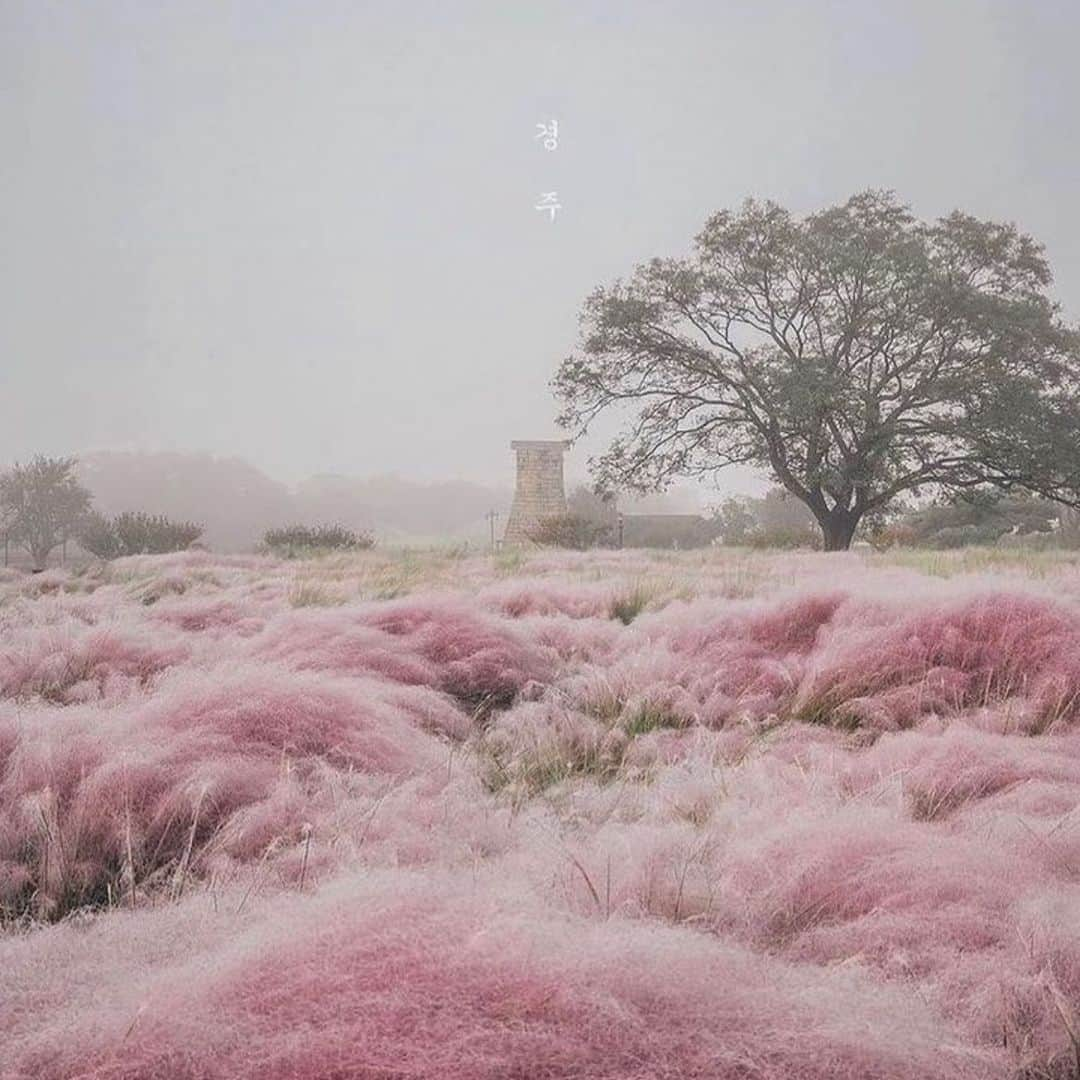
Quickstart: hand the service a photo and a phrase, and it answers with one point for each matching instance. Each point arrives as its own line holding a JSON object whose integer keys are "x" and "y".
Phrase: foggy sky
{"x": 304, "y": 232}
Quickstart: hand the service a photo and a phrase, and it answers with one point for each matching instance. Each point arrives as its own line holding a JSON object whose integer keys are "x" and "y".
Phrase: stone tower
{"x": 539, "y": 492}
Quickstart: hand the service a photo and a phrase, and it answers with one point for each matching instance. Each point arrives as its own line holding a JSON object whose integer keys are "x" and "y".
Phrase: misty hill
{"x": 237, "y": 502}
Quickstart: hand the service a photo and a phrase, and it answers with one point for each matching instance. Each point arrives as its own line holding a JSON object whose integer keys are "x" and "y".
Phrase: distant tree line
{"x": 779, "y": 520}
{"x": 774, "y": 520}
{"x": 43, "y": 505}
{"x": 981, "y": 518}
{"x": 237, "y": 502}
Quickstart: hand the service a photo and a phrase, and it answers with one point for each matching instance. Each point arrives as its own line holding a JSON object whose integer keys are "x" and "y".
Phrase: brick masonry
{"x": 539, "y": 493}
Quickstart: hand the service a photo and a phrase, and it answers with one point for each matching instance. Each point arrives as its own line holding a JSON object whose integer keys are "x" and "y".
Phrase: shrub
{"x": 292, "y": 541}
{"x": 627, "y": 606}
{"x": 135, "y": 534}
{"x": 776, "y": 520}
{"x": 145, "y": 534}
{"x": 97, "y": 535}
{"x": 981, "y": 518}
{"x": 570, "y": 531}
{"x": 786, "y": 537}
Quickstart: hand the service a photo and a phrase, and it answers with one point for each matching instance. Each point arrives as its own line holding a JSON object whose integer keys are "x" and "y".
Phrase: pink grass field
{"x": 744, "y": 817}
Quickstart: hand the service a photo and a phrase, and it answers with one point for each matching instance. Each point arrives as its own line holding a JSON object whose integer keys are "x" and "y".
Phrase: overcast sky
{"x": 304, "y": 232}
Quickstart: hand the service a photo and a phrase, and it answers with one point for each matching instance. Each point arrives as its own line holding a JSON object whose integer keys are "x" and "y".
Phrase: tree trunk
{"x": 39, "y": 554}
{"x": 837, "y": 530}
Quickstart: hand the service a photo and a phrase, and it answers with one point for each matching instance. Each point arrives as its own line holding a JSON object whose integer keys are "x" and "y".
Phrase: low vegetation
{"x": 135, "y": 534}
{"x": 773, "y": 520}
{"x": 611, "y": 814}
{"x": 296, "y": 541}
{"x": 572, "y": 531}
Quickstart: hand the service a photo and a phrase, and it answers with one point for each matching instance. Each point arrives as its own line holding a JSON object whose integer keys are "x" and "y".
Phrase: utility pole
{"x": 492, "y": 516}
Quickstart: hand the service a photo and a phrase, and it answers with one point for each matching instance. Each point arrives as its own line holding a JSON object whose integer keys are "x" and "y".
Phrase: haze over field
{"x": 236, "y": 503}
{"x": 344, "y": 735}
{"x": 304, "y": 234}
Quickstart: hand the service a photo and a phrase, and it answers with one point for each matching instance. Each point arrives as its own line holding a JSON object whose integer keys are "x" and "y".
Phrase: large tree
{"x": 855, "y": 354}
{"x": 43, "y": 502}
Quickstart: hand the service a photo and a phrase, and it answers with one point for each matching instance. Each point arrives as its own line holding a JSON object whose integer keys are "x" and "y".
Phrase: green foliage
{"x": 41, "y": 503}
{"x": 671, "y": 531}
{"x": 628, "y": 605}
{"x": 546, "y": 764}
{"x": 651, "y": 717}
{"x": 312, "y": 594}
{"x": 775, "y": 520}
{"x": 146, "y": 534}
{"x": 598, "y": 509}
{"x": 135, "y": 533}
{"x": 737, "y": 521}
{"x": 982, "y": 518}
{"x": 571, "y": 531}
{"x": 96, "y": 534}
{"x": 857, "y": 354}
{"x": 509, "y": 561}
{"x": 295, "y": 541}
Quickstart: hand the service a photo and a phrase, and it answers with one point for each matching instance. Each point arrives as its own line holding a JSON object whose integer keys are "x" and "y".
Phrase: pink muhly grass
{"x": 481, "y": 660}
{"x": 337, "y": 642}
{"x": 713, "y": 665}
{"x": 265, "y": 710}
{"x": 223, "y": 617}
{"x": 568, "y": 641}
{"x": 96, "y": 798}
{"x": 790, "y": 625}
{"x": 957, "y": 655}
{"x": 501, "y": 833}
{"x": 544, "y": 597}
{"x": 535, "y": 745}
{"x": 76, "y": 663}
{"x": 399, "y": 974}
{"x": 478, "y": 659}
{"x": 940, "y": 772}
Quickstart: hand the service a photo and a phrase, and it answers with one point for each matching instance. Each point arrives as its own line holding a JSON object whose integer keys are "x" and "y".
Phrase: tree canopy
{"x": 856, "y": 354}
{"x": 42, "y": 503}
